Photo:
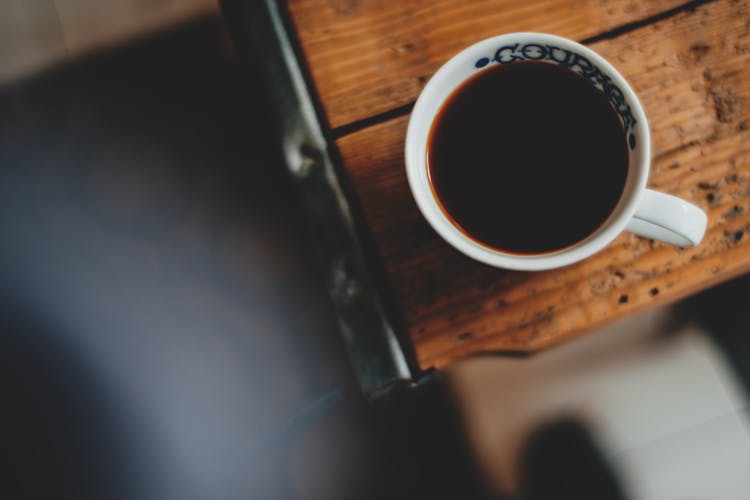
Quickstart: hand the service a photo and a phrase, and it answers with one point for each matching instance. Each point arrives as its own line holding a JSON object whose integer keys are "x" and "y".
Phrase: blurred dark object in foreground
{"x": 165, "y": 331}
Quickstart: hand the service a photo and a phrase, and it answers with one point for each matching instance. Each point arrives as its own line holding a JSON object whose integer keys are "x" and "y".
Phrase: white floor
{"x": 659, "y": 396}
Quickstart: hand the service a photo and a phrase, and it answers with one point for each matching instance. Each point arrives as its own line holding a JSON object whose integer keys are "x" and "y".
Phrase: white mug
{"x": 640, "y": 210}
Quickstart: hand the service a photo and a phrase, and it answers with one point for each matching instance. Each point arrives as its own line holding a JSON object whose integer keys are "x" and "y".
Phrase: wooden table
{"x": 688, "y": 62}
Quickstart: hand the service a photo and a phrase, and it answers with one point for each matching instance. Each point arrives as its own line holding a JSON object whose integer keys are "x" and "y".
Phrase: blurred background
{"x": 165, "y": 332}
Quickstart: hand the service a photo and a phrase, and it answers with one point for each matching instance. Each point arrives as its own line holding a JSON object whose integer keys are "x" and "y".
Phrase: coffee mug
{"x": 642, "y": 211}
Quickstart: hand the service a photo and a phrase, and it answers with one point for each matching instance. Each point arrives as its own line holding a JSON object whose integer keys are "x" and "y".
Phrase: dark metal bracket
{"x": 374, "y": 349}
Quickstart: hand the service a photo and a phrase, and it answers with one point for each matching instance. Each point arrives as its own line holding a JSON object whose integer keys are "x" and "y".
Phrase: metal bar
{"x": 374, "y": 349}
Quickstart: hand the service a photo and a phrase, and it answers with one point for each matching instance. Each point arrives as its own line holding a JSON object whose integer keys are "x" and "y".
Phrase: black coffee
{"x": 527, "y": 157}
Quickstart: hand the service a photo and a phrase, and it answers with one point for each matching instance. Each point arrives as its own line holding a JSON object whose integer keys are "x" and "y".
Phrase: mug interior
{"x": 508, "y": 49}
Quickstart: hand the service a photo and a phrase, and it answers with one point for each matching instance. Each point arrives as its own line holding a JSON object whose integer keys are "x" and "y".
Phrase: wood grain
{"x": 692, "y": 72}
{"x": 370, "y": 56}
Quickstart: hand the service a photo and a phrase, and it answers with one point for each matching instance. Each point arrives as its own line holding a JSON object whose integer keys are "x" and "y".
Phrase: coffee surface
{"x": 527, "y": 157}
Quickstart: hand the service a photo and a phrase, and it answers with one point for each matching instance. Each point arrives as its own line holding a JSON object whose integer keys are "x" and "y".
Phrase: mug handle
{"x": 668, "y": 218}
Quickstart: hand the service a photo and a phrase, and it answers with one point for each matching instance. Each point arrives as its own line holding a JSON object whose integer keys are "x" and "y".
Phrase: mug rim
{"x": 423, "y": 116}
